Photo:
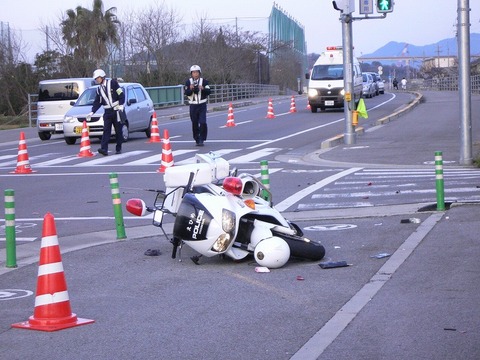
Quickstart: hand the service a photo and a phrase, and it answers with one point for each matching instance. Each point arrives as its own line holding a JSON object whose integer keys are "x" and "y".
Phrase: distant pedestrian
{"x": 197, "y": 90}
{"x": 404, "y": 84}
{"x": 395, "y": 83}
{"x": 111, "y": 96}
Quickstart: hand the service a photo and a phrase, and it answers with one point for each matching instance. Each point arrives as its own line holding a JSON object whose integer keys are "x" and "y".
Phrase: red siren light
{"x": 233, "y": 185}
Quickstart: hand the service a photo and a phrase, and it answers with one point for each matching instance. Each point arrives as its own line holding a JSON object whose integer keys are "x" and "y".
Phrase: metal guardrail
{"x": 173, "y": 95}
{"x": 450, "y": 83}
{"x": 166, "y": 95}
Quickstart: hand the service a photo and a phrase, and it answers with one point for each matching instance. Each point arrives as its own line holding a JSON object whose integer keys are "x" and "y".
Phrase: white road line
{"x": 285, "y": 204}
{"x": 253, "y": 156}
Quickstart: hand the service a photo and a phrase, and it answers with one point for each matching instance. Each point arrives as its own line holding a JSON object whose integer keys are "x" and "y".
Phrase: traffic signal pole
{"x": 464, "y": 86}
{"x": 349, "y": 98}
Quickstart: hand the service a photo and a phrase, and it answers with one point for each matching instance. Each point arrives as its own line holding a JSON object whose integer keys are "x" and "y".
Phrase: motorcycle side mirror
{"x": 159, "y": 200}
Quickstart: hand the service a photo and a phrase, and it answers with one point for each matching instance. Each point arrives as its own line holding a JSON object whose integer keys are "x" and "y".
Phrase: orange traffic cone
{"x": 23, "y": 164}
{"x": 270, "y": 114}
{"x": 52, "y": 306}
{"x": 167, "y": 156}
{"x": 230, "y": 118}
{"x": 85, "y": 150}
{"x": 155, "y": 133}
{"x": 293, "y": 108}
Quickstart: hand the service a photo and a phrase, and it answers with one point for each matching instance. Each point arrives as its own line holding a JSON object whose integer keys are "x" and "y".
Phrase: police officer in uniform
{"x": 197, "y": 91}
{"x": 109, "y": 95}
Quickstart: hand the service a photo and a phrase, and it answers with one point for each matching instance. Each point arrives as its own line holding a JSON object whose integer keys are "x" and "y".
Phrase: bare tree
{"x": 153, "y": 33}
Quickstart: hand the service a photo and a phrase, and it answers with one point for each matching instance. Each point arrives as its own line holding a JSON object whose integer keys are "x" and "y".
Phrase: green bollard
{"x": 439, "y": 181}
{"x": 117, "y": 206}
{"x": 265, "y": 179}
{"x": 10, "y": 236}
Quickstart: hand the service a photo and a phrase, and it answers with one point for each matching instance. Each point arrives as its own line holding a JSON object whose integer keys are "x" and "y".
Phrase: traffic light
{"x": 384, "y": 6}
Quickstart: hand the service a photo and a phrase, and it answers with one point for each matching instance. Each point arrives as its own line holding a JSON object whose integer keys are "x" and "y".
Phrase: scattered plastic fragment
{"x": 411, "y": 220}
{"x": 450, "y": 329}
{"x": 337, "y": 247}
{"x": 262, "y": 269}
{"x": 333, "y": 264}
{"x": 299, "y": 277}
{"x": 381, "y": 255}
{"x": 379, "y": 224}
{"x": 369, "y": 184}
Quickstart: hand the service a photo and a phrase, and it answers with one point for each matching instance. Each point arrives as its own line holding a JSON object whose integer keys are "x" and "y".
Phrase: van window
{"x": 327, "y": 72}
{"x": 58, "y": 91}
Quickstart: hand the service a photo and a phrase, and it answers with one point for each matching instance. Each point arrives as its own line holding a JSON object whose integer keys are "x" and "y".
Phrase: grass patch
{"x": 13, "y": 122}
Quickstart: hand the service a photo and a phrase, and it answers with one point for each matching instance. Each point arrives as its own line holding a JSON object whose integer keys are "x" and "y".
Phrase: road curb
{"x": 338, "y": 139}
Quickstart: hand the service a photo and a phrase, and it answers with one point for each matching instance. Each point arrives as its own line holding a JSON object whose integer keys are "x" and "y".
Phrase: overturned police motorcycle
{"x": 219, "y": 213}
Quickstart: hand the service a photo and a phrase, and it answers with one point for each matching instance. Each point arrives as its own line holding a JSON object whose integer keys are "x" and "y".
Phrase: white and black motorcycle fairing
{"x": 233, "y": 219}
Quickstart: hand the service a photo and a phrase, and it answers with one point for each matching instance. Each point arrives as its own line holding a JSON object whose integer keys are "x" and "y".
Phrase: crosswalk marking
{"x": 157, "y": 158}
{"x": 367, "y": 186}
{"x": 108, "y": 159}
{"x": 137, "y": 158}
{"x": 251, "y": 156}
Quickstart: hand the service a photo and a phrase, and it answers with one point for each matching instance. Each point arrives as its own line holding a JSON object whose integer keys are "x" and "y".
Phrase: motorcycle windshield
{"x": 192, "y": 220}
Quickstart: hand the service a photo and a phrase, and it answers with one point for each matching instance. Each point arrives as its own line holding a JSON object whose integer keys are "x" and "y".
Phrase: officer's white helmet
{"x": 195, "y": 68}
{"x": 99, "y": 73}
{"x": 273, "y": 252}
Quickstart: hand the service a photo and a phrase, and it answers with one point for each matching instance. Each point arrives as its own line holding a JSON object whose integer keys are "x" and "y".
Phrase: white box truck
{"x": 326, "y": 88}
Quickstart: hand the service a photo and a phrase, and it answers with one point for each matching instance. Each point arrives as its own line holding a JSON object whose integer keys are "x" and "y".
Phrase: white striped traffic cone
{"x": 155, "y": 133}
{"x": 23, "y": 163}
{"x": 167, "y": 156}
{"x": 85, "y": 149}
{"x": 52, "y": 305}
{"x": 270, "y": 114}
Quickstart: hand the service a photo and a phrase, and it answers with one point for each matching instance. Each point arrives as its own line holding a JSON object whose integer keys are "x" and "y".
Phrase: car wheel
{"x": 70, "y": 140}
{"x": 44, "y": 135}
{"x": 313, "y": 109}
{"x": 125, "y": 132}
{"x": 148, "y": 132}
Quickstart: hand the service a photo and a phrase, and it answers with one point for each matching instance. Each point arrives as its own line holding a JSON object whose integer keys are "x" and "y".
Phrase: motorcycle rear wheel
{"x": 301, "y": 248}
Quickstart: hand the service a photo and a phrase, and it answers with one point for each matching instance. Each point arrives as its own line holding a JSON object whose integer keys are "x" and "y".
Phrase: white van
{"x": 54, "y": 98}
{"x": 326, "y": 84}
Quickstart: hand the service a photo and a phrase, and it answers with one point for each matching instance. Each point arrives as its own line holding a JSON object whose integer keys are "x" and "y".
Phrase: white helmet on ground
{"x": 195, "y": 68}
{"x": 273, "y": 252}
{"x": 99, "y": 73}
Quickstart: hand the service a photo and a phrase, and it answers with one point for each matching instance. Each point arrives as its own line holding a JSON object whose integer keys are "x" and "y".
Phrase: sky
{"x": 413, "y": 21}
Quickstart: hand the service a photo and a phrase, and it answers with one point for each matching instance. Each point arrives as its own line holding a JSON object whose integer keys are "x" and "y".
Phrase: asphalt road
{"x": 420, "y": 301}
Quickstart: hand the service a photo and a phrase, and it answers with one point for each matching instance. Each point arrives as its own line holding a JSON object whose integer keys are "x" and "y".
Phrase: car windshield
{"x": 365, "y": 78}
{"x": 327, "y": 72}
{"x": 87, "y": 97}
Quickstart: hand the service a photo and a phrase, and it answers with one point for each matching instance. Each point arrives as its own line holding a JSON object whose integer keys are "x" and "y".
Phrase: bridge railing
{"x": 450, "y": 83}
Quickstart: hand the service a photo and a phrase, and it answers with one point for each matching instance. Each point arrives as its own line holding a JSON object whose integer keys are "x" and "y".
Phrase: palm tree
{"x": 89, "y": 33}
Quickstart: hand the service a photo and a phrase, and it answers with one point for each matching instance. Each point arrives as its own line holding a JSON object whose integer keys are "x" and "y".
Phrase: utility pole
{"x": 464, "y": 86}
{"x": 349, "y": 100}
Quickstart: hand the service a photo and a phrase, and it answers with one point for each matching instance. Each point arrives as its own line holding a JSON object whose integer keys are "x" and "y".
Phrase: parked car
{"x": 54, "y": 100}
{"x": 379, "y": 84}
{"x": 369, "y": 89}
{"x": 138, "y": 110}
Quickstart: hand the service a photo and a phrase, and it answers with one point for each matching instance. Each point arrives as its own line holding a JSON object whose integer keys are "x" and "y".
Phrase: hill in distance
{"x": 446, "y": 47}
